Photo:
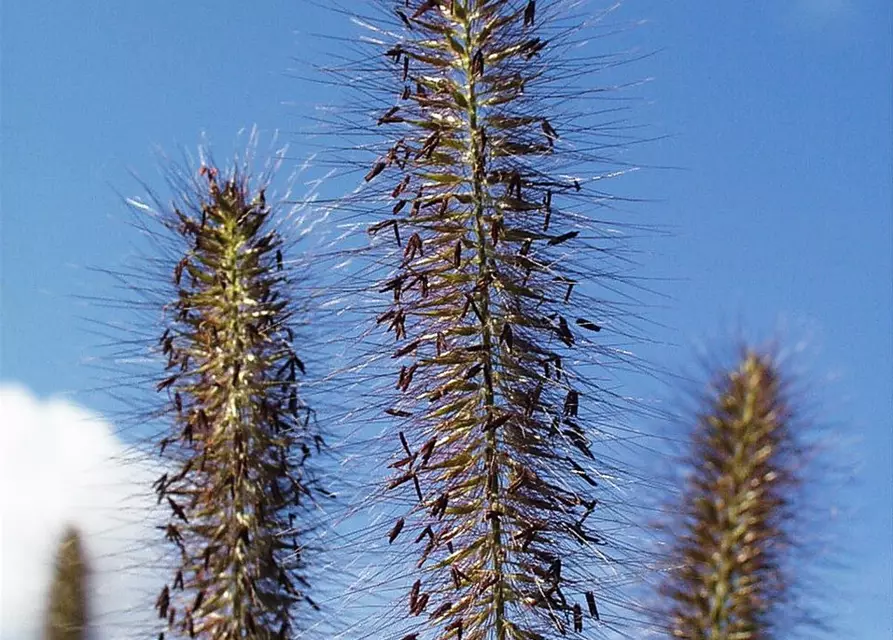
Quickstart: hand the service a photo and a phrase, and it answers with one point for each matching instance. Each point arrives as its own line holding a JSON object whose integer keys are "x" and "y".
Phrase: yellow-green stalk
{"x": 491, "y": 319}
{"x": 68, "y": 608}
{"x": 238, "y": 484}
{"x": 730, "y": 578}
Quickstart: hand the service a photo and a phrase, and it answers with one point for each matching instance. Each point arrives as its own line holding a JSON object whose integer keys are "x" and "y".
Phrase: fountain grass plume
{"x": 68, "y": 608}
{"x": 490, "y": 258}
{"x": 735, "y": 552}
{"x": 241, "y": 452}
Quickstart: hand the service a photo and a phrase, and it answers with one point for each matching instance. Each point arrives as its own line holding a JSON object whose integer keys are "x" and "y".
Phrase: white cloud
{"x": 61, "y": 464}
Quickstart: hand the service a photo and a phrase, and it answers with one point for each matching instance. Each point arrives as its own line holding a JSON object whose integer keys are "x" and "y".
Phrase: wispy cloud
{"x": 61, "y": 464}
{"x": 831, "y": 21}
{"x": 812, "y": 14}
{"x": 824, "y": 7}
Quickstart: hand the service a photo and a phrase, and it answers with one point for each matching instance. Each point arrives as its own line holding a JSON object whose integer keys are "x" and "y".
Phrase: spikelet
{"x": 493, "y": 323}
{"x": 732, "y": 547}
{"x": 239, "y": 483}
{"x": 68, "y": 607}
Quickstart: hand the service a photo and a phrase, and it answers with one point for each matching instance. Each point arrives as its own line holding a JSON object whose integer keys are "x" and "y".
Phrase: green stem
{"x": 491, "y": 456}
{"x": 720, "y": 614}
{"x": 234, "y": 339}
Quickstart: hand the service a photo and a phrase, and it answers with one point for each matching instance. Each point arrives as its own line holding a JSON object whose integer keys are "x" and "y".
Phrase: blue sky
{"x": 777, "y": 116}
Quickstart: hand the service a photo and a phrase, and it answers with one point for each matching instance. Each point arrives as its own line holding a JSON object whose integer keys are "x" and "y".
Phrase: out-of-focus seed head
{"x": 68, "y": 606}
{"x": 732, "y": 541}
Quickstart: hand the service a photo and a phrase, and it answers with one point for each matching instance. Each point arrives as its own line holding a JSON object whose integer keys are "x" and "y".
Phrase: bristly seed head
{"x": 731, "y": 541}
{"x": 238, "y": 478}
{"x": 67, "y": 614}
{"x": 494, "y": 455}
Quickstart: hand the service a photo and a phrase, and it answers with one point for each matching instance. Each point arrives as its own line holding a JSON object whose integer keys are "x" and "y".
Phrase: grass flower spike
{"x": 239, "y": 484}
{"x": 730, "y": 579}
{"x": 492, "y": 318}
{"x": 68, "y": 607}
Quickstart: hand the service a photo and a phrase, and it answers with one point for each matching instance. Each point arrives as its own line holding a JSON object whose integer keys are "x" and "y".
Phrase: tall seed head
{"x": 68, "y": 606}
{"x": 239, "y": 483}
{"x": 730, "y": 580}
{"x": 493, "y": 448}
